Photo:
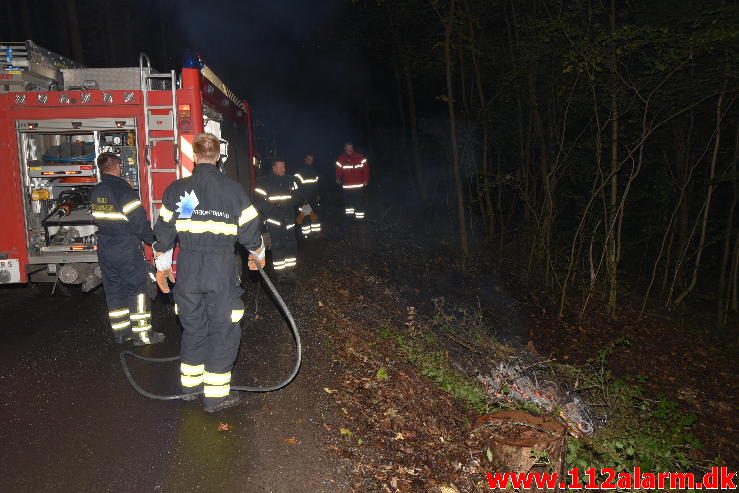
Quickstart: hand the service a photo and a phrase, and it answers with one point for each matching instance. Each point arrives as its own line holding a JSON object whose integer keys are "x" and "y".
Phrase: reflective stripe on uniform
{"x": 141, "y": 328}
{"x": 216, "y": 384}
{"x": 187, "y": 369}
{"x": 278, "y": 198}
{"x": 260, "y": 191}
{"x": 211, "y": 378}
{"x": 119, "y": 313}
{"x": 247, "y": 215}
{"x": 109, "y": 216}
{"x": 191, "y": 380}
{"x": 199, "y": 227}
{"x": 140, "y": 316}
{"x": 191, "y": 375}
{"x": 359, "y": 185}
{"x": 236, "y": 315}
{"x": 121, "y": 325}
{"x": 130, "y": 206}
{"x": 290, "y": 226}
{"x": 176, "y": 309}
{"x": 305, "y": 180}
{"x": 272, "y": 221}
{"x": 165, "y": 214}
{"x": 216, "y": 391}
{"x": 339, "y": 164}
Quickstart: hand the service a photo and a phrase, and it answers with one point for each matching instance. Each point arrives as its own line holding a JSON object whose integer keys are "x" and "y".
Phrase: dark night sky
{"x": 303, "y": 66}
{"x": 298, "y": 63}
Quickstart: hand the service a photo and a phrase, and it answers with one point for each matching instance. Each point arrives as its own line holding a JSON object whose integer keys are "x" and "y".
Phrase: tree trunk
{"x": 486, "y": 185}
{"x": 612, "y": 243}
{"x": 707, "y": 204}
{"x": 73, "y": 24}
{"x": 456, "y": 172}
{"x": 723, "y": 297}
{"x": 413, "y": 126}
{"x": 683, "y": 218}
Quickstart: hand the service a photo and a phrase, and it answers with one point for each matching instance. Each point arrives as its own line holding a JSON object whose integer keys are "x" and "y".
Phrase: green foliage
{"x": 651, "y": 434}
{"x": 640, "y": 430}
{"x": 421, "y": 351}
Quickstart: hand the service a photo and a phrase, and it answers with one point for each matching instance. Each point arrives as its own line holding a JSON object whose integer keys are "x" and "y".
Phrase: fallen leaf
{"x": 320, "y": 303}
{"x": 346, "y": 432}
{"x": 291, "y": 441}
{"x": 329, "y": 391}
{"x": 224, "y": 427}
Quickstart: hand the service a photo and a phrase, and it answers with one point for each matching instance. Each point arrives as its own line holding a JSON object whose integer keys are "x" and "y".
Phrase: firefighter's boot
{"x": 141, "y": 323}
{"x": 148, "y": 337}
{"x": 123, "y": 339}
{"x": 194, "y": 392}
{"x": 215, "y": 405}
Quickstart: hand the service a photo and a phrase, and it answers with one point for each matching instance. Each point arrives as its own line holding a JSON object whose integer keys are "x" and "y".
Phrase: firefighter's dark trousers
{"x": 124, "y": 272}
{"x": 208, "y": 302}
{"x": 354, "y": 202}
{"x": 281, "y": 229}
{"x": 309, "y": 225}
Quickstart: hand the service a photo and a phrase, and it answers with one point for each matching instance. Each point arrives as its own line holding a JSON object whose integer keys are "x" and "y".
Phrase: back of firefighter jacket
{"x": 209, "y": 212}
{"x": 118, "y": 213}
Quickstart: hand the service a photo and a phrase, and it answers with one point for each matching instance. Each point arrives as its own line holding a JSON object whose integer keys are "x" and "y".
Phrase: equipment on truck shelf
{"x": 58, "y": 116}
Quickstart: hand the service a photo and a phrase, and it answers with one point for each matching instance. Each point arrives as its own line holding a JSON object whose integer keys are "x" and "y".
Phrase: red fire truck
{"x": 57, "y": 116}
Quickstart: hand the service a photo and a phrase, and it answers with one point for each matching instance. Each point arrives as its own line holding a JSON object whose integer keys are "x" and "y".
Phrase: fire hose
{"x": 240, "y": 388}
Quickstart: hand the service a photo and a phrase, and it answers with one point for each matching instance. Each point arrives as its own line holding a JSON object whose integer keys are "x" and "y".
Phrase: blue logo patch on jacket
{"x": 187, "y": 204}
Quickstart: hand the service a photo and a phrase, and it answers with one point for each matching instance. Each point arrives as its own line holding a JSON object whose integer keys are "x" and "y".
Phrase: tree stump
{"x": 518, "y": 440}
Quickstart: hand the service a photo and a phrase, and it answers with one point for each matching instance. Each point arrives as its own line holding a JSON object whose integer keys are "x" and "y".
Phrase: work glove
{"x": 258, "y": 256}
{"x": 163, "y": 263}
{"x": 307, "y": 209}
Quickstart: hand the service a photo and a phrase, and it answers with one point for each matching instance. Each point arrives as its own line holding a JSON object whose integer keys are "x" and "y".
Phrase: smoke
{"x": 293, "y": 61}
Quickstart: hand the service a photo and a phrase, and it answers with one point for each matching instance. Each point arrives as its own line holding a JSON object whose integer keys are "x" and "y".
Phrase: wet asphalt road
{"x": 69, "y": 421}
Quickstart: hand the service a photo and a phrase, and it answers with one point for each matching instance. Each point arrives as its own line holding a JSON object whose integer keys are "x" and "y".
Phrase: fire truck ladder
{"x": 169, "y": 127}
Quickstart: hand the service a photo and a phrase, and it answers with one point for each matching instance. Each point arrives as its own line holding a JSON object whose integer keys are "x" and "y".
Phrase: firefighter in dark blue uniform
{"x": 209, "y": 213}
{"x": 277, "y": 197}
{"x": 307, "y": 179}
{"x": 122, "y": 226}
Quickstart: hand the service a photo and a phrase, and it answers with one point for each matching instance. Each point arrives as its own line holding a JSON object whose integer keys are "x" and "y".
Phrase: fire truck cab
{"x": 57, "y": 116}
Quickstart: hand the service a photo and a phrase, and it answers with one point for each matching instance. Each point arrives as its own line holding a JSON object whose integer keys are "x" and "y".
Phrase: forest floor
{"x": 404, "y": 417}
{"x": 394, "y": 336}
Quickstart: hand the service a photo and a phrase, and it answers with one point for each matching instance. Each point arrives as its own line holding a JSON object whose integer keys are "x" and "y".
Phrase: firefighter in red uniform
{"x": 352, "y": 174}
